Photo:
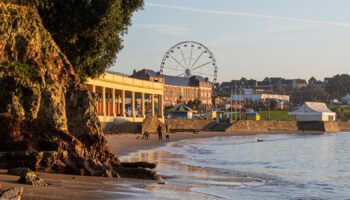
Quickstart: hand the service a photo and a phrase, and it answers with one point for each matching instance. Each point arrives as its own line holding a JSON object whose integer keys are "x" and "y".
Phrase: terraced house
{"x": 180, "y": 89}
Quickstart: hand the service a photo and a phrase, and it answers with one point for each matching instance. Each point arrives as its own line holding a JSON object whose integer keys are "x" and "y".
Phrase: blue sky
{"x": 249, "y": 38}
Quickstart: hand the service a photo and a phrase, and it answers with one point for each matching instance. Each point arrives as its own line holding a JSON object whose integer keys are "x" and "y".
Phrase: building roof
{"x": 116, "y": 73}
{"x": 151, "y": 73}
{"x": 175, "y": 80}
{"x": 300, "y": 81}
{"x": 170, "y": 80}
{"x": 180, "y": 108}
{"x": 312, "y": 108}
{"x": 182, "y": 81}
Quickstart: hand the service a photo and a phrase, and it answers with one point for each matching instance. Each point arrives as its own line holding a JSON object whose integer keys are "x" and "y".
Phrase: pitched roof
{"x": 300, "y": 81}
{"x": 180, "y": 108}
{"x": 182, "y": 81}
{"x": 175, "y": 80}
{"x": 150, "y": 72}
{"x": 313, "y": 107}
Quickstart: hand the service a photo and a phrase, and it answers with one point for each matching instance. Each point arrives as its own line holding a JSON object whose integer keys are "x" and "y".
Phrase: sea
{"x": 278, "y": 166}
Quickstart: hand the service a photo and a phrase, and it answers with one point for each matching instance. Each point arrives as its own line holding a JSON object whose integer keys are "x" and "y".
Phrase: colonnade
{"x": 118, "y": 99}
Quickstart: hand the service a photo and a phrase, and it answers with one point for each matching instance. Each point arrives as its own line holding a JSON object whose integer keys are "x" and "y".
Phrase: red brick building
{"x": 180, "y": 89}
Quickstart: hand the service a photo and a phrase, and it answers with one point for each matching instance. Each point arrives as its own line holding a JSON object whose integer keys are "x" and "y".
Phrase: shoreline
{"x": 63, "y": 186}
{"x": 128, "y": 143}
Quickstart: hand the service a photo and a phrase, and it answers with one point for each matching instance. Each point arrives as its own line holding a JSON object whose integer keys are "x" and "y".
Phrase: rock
{"x": 137, "y": 173}
{"x": 108, "y": 173}
{"x": 11, "y": 194}
{"x": 20, "y": 171}
{"x": 138, "y": 165}
{"x": 30, "y": 178}
{"x": 150, "y": 125}
{"x": 47, "y": 122}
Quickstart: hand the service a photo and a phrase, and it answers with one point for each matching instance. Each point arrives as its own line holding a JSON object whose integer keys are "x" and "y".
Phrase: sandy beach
{"x": 79, "y": 187}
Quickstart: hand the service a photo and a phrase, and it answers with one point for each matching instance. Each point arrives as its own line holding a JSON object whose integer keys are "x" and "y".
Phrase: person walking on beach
{"x": 160, "y": 134}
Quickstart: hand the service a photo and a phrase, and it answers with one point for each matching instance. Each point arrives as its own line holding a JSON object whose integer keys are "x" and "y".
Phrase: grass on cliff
{"x": 21, "y": 70}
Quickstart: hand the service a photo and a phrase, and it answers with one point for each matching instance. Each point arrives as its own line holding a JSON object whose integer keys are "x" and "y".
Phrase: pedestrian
{"x": 160, "y": 134}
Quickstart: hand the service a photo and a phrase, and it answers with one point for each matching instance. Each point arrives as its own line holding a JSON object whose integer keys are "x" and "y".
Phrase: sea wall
{"x": 331, "y": 126}
{"x": 189, "y": 124}
{"x": 262, "y": 126}
{"x": 344, "y": 126}
{"x": 125, "y": 127}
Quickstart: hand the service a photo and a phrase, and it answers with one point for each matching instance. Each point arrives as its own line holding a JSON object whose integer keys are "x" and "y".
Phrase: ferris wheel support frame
{"x": 188, "y": 71}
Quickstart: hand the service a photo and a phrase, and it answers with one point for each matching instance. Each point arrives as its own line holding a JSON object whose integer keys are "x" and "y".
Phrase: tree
{"x": 196, "y": 103}
{"x": 87, "y": 31}
{"x": 309, "y": 93}
{"x": 338, "y": 86}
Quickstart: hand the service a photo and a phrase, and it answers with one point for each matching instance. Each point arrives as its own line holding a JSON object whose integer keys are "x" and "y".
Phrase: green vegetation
{"x": 343, "y": 112}
{"x": 309, "y": 93}
{"x": 21, "y": 70}
{"x": 338, "y": 86}
{"x": 264, "y": 115}
{"x": 276, "y": 115}
{"x": 87, "y": 31}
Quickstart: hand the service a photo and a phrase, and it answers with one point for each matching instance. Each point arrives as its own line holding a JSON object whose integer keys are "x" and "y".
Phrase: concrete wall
{"x": 344, "y": 126}
{"x": 126, "y": 127}
{"x": 331, "y": 126}
{"x": 189, "y": 124}
{"x": 262, "y": 126}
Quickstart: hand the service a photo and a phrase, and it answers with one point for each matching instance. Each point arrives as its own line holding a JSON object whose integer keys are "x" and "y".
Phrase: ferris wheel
{"x": 189, "y": 58}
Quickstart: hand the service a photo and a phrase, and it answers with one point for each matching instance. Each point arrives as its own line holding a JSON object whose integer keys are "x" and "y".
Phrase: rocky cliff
{"x": 47, "y": 123}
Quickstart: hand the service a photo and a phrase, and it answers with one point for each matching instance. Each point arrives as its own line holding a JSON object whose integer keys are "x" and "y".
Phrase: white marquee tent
{"x": 313, "y": 111}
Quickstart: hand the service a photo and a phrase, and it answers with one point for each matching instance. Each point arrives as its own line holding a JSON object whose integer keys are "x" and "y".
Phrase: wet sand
{"x": 124, "y": 144}
{"x": 79, "y": 187}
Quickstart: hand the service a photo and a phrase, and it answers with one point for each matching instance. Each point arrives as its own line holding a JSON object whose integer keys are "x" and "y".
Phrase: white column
{"x": 159, "y": 106}
{"x": 113, "y": 103}
{"x": 119, "y": 107}
{"x": 104, "y": 101}
{"x": 123, "y": 104}
{"x": 133, "y": 114}
{"x": 143, "y": 105}
{"x": 162, "y": 106}
{"x": 153, "y": 107}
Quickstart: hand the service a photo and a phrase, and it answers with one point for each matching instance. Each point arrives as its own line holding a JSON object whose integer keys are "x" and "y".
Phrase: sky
{"x": 248, "y": 38}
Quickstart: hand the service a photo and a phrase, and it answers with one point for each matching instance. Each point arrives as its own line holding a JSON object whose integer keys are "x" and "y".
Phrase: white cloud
{"x": 166, "y": 29}
{"x": 253, "y": 15}
{"x": 292, "y": 28}
{"x": 225, "y": 40}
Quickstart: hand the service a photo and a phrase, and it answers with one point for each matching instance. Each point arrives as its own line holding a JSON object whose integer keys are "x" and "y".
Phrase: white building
{"x": 313, "y": 111}
{"x": 255, "y": 95}
{"x": 346, "y": 100}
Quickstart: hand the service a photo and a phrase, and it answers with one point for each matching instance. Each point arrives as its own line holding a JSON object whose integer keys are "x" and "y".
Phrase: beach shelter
{"x": 313, "y": 111}
{"x": 253, "y": 116}
{"x": 180, "y": 111}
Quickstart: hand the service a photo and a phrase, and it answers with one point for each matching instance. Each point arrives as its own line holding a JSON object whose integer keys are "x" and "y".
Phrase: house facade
{"x": 180, "y": 89}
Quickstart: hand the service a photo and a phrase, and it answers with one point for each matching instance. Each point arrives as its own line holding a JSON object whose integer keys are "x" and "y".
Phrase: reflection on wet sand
{"x": 182, "y": 177}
